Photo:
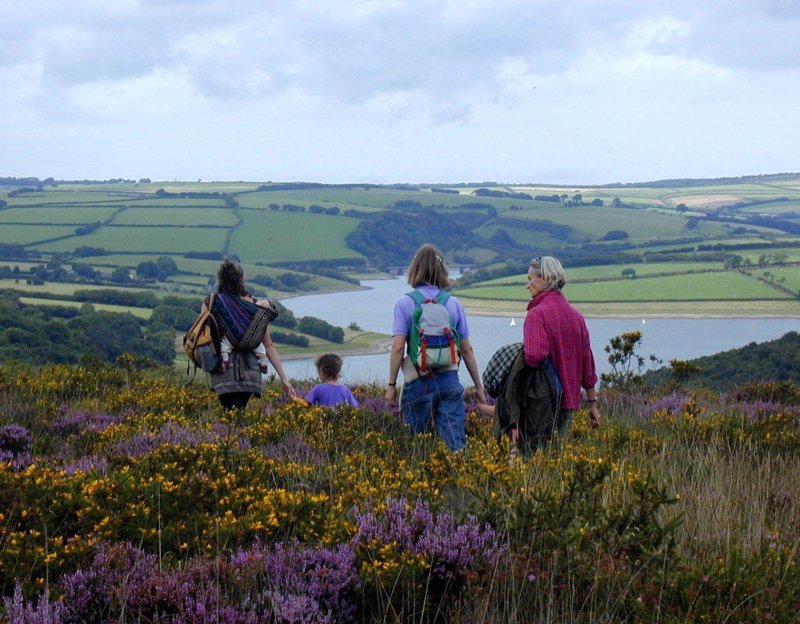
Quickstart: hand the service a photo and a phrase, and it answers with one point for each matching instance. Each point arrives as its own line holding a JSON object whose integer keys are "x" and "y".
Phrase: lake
{"x": 667, "y": 338}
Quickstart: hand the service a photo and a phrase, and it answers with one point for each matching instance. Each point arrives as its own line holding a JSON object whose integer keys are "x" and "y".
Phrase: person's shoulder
{"x": 404, "y": 300}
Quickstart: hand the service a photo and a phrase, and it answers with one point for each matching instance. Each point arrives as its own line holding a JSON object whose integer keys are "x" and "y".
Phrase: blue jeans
{"x": 439, "y": 395}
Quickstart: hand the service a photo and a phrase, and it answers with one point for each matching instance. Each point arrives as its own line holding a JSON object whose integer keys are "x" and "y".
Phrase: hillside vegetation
{"x": 127, "y": 496}
{"x": 775, "y": 360}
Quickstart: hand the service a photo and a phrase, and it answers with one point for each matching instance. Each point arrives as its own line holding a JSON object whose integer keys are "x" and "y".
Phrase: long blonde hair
{"x": 428, "y": 268}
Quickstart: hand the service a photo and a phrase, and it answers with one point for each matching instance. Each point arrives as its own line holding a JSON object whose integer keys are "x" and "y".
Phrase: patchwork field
{"x": 609, "y": 271}
{"x": 275, "y": 236}
{"x": 149, "y": 220}
{"x": 30, "y": 234}
{"x": 727, "y": 285}
{"x": 141, "y": 239}
{"x": 594, "y": 222}
{"x": 142, "y": 313}
{"x": 137, "y": 215}
{"x": 67, "y": 289}
{"x": 72, "y": 215}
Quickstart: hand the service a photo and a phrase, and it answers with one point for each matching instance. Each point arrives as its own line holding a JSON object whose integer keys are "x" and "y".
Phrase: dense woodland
{"x": 37, "y": 334}
{"x": 40, "y": 334}
{"x": 775, "y": 360}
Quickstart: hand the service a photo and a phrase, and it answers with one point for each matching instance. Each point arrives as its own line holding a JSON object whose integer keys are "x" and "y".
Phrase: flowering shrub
{"x": 125, "y": 496}
{"x": 410, "y": 547}
{"x": 15, "y": 446}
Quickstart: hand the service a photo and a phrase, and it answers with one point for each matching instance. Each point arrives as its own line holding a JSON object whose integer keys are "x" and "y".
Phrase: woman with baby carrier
{"x": 430, "y": 329}
{"x": 246, "y": 346}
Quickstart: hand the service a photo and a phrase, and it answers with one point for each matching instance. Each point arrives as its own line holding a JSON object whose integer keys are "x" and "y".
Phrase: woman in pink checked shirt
{"x": 554, "y": 329}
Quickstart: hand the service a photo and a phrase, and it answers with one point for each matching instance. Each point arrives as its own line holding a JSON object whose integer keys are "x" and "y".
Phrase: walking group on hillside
{"x": 536, "y": 385}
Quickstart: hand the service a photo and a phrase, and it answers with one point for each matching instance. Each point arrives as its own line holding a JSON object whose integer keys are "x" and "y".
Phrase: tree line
{"x": 39, "y": 334}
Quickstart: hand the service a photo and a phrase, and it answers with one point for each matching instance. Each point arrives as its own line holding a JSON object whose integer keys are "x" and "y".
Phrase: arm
{"x": 468, "y": 355}
{"x": 395, "y": 359}
{"x": 534, "y": 337}
{"x": 589, "y": 380}
{"x": 275, "y": 360}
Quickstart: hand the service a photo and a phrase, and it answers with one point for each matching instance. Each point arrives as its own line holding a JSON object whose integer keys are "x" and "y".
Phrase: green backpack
{"x": 434, "y": 341}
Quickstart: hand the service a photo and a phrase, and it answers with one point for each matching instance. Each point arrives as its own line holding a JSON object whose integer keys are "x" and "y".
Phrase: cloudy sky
{"x": 575, "y": 92}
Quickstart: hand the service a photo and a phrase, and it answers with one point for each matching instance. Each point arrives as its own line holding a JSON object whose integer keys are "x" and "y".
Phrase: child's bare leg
{"x": 261, "y": 354}
{"x": 225, "y": 349}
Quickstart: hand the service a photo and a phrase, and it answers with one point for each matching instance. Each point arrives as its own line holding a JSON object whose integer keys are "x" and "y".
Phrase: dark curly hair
{"x": 329, "y": 365}
{"x": 230, "y": 278}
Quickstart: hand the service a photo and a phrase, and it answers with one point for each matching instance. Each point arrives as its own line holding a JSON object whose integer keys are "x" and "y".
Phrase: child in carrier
{"x": 226, "y": 348}
{"x": 243, "y": 319}
{"x": 330, "y": 392}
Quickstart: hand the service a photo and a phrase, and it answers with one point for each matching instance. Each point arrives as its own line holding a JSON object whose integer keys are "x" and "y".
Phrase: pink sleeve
{"x": 588, "y": 372}
{"x": 534, "y": 338}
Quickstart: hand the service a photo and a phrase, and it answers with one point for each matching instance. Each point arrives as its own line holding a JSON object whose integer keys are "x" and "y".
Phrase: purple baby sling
{"x": 243, "y": 322}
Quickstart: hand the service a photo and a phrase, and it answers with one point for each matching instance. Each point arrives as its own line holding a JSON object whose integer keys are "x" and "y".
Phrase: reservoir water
{"x": 666, "y": 338}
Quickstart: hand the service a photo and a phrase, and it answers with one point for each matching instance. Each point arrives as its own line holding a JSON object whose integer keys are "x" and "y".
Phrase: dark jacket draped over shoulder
{"x": 528, "y": 403}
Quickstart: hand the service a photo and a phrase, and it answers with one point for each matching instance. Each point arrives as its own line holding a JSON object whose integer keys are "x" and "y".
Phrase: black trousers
{"x": 237, "y": 400}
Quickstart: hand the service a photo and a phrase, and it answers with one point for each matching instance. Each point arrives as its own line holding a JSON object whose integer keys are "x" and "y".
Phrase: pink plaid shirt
{"x": 553, "y": 327}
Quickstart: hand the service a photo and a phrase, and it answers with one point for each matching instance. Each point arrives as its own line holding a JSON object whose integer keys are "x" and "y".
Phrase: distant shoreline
{"x": 380, "y": 345}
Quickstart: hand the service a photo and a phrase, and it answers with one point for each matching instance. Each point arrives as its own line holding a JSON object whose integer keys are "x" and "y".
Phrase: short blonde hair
{"x": 551, "y": 271}
{"x": 428, "y": 268}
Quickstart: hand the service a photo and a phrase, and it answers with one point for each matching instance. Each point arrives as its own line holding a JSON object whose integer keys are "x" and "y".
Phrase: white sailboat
{"x": 513, "y": 323}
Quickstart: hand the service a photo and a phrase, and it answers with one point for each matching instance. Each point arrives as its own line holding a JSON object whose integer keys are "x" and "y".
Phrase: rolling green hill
{"x": 672, "y": 232}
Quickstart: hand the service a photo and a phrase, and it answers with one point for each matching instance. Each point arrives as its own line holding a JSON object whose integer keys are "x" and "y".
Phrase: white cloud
{"x": 400, "y": 89}
{"x": 132, "y": 100}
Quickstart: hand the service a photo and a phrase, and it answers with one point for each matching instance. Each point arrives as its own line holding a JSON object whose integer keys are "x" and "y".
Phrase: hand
{"x": 594, "y": 416}
{"x": 391, "y": 394}
{"x": 288, "y": 389}
{"x": 486, "y": 409}
{"x": 480, "y": 394}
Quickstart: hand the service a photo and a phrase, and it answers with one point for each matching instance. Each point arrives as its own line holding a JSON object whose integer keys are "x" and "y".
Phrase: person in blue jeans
{"x": 433, "y": 393}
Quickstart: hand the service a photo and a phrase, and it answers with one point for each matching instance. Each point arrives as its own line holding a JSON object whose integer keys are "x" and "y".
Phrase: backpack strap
{"x": 189, "y": 361}
{"x": 417, "y": 297}
{"x": 442, "y": 297}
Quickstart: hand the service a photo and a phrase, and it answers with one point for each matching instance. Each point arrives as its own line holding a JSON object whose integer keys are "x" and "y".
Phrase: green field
{"x": 177, "y": 202}
{"x": 698, "y": 286}
{"x": 73, "y": 215}
{"x": 67, "y": 198}
{"x": 641, "y": 225}
{"x": 29, "y": 234}
{"x": 773, "y": 208}
{"x": 261, "y": 201}
{"x": 142, "y": 313}
{"x": 614, "y": 271}
{"x": 68, "y": 289}
{"x": 274, "y": 236}
{"x": 176, "y": 216}
{"x": 164, "y": 240}
{"x": 145, "y": 226}
{"x": 789, "y": 275}
{"x": 195, "y": 270}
